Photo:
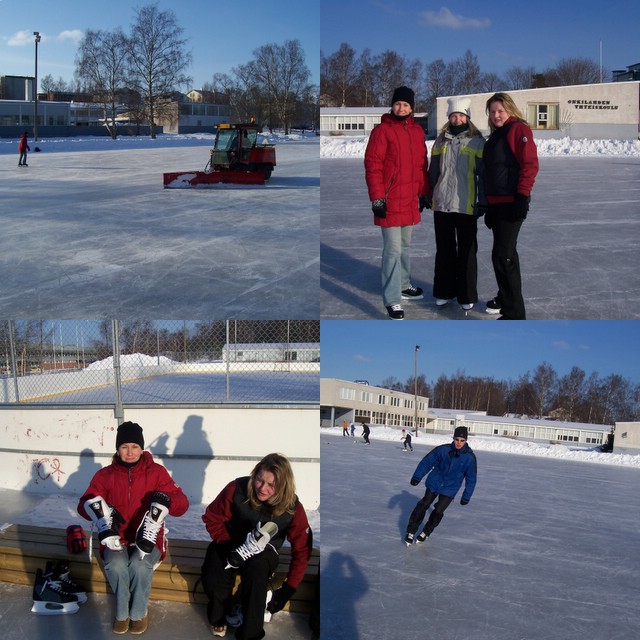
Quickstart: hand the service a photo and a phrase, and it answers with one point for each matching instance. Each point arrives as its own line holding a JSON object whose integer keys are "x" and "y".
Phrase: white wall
{"x": 58, "y": 450}
{"x": 627, "y": 437}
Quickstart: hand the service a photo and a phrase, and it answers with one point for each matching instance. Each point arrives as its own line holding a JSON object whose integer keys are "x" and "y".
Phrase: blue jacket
{"x": 447, "y": 468}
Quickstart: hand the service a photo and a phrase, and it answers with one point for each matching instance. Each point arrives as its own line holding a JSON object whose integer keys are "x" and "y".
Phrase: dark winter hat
{"x": 404, "y": 94}
{"x": 461, "y": 432}
{"x": 129, "y": 432}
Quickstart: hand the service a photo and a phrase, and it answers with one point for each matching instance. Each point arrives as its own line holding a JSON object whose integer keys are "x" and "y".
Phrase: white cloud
{"x": 71, "y": 34}
{"x": 20, "y": 39}
{"x": 445, "y": 18}
{"x": 361, "y": 358}
{"x": 562, "y": 345}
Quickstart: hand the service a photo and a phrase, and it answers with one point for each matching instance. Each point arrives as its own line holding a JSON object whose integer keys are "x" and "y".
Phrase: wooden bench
{"x": 25, "y": 548}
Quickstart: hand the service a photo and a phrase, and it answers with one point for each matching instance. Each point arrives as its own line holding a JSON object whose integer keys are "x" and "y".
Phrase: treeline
{"x": 352, "y": 79}
{"x": 574, "y": 397}
{"x": 146, "y": 67}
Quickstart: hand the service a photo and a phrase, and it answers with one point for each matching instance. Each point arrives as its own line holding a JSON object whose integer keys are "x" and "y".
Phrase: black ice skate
{"x": 106, "y": 519}
{"x": 151, "y": 524}
{"x": 256, "y": 542}
{"x": 49, "y": 599}
{"x": 408, "y": 539}
{"x": 59, "y": 574}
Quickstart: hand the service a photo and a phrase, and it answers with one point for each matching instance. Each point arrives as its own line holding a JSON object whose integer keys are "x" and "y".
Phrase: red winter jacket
{"x": 23, "y": 145}
{"x": 396, "y": 166}
{"x": 220, "y": 516}
{"x": 129, "y": 490}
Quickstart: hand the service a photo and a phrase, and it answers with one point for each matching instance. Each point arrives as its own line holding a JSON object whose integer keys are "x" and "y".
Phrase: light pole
{"x": 415, "y": 389}
{"x": 35, "y": 92}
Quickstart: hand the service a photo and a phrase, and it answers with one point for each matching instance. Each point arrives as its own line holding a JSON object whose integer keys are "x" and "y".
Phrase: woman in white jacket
{"x": 455, "y": 175}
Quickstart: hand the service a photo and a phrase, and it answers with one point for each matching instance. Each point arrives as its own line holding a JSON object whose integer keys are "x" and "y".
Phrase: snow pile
{"x": 501, "y": 445}
{"x": 131, "y": 360}
{"x": 354, "y": 147}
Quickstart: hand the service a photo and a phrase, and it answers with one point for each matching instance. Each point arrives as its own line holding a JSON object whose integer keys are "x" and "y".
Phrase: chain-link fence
{"x": 159, "y": 362}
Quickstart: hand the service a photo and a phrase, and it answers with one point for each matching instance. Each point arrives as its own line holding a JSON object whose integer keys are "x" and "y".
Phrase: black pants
{"x": 218, "y": 582}
{"x": 506, "y": 263}
{"x": 420, "y": 510}
{"x": 456, "y": 268}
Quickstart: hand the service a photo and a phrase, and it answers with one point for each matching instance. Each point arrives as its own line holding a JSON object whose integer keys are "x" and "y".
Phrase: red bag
{"x": 76, "y": 542}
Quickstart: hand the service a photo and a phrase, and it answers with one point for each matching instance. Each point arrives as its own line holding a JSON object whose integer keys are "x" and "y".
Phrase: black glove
{"x": 463, "y": 501}
{"x": 415, "y": 481}
{"x": 424, "y": 202}
{"x": 479, "y": 210}
{"x": 520, "y": 207}
{"x": 161, "y": 498}
{"x": 488, "y": 219}
{"x": 280, "y": 597}
{"x": 379, "y": 208}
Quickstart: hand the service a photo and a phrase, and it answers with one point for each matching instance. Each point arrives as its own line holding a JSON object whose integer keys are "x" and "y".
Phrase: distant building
{"x": 272, "y": 352}
{"x": 593, "y": 111}
{"x": 355, "y": 121}
{"x": 627, "y": 438}
{"x": 624, "y": 75}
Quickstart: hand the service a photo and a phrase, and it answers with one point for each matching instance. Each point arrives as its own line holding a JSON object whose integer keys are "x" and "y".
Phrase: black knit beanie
{"x": 129, "y": 432}
{"x": 405, "y": 95}
{"x": 461, "y": 432}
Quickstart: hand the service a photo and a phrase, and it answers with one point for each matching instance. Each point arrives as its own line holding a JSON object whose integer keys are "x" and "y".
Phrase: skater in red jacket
{"x": 128, "y": 501}
{"x": 395, "y": 165}
{"x": 248, "y": 522}
{"x": 23, "y": 147}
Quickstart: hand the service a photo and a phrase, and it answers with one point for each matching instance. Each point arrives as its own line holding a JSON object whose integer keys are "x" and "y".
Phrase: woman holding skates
{"x": 128, "y": 501}
{"x": 248, "y": 522}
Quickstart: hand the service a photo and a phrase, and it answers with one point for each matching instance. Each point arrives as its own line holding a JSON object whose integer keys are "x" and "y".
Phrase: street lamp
{"x": 415, "y": 389}
{"x": 35, "y": 92}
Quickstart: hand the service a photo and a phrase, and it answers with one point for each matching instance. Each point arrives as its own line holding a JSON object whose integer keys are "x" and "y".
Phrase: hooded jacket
{"x": 455, "y": 172}
{"x": 129, "y": 490}
{"x": 395, "y": 164}
{"x": 447, "y": 467}
{"x": 231, "y": 517}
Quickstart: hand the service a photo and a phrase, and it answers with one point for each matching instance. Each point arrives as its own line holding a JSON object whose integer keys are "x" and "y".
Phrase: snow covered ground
{"x": 577, "y": 253}
{"x": 89, "y": 231}
{"x": 547, "y": 549}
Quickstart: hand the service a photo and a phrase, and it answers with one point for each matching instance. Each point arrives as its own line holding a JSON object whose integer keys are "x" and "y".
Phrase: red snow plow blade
{"x": 189, "y": 179}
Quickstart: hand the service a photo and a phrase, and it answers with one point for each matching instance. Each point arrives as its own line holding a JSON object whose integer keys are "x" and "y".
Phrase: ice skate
{"x": 59, "y": 575}
{"x": 104, "y": 516}
{"x": 408, "y": 539}
{"x": 256, "y": 542}
{"x": 422, "y": 537}
{"x": 151, "y": 524}
{"x": 49, "y": 599}
{"x": 267, "y": 613}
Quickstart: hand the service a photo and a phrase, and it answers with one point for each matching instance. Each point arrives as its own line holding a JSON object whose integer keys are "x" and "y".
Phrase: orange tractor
{"x": 236, "y": 158}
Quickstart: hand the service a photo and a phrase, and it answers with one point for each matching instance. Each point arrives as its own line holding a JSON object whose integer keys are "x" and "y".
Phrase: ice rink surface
{"x": 578, "y": 248}
{"x": 545, "y": 550}
{"x": 93, "y": 234}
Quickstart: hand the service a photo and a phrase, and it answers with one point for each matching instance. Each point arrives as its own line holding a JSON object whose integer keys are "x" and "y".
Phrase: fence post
{"x": 227, "y": 352}
{"x": 12, "y": 348}
{"x": 117, "y": 377}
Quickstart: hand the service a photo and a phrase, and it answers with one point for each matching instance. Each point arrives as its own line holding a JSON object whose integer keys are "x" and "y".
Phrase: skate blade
{"x": 54, "y": 608}
{"x": 267, "y": 613}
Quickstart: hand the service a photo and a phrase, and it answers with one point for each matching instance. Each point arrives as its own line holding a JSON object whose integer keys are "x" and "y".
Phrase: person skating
{"x": 446, "y": 466}
{"x": 365, "y": 432}
{"x": 248, "y": 522}
{"x": 128, "y": 501}
{"x": 23, "y": 147}
{"x": 406, "y": 440}
{"x": 396, "y": 165}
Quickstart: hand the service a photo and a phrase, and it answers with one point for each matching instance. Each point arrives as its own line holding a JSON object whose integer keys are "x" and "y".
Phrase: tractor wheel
{"x": 266, "y": 170}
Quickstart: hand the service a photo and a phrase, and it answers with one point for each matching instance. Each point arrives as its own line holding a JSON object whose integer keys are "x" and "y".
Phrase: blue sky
{"x": 502, "y": 34}
{"x": 374, "y": 350}
{"x": 212, "y": 28}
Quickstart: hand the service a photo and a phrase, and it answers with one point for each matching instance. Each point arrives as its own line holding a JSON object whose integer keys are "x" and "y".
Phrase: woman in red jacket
{"x": 248, "y": 522}
{"x": 128, "y": 501}
{"x": 395, "y": 165}
{"x": 510, "y": 161}
{"x": 23, "y": 147}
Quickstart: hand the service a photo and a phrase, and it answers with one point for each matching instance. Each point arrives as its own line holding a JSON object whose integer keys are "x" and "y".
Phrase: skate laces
{"x": 150, "y": 527}
{"x": 257, "y": 540}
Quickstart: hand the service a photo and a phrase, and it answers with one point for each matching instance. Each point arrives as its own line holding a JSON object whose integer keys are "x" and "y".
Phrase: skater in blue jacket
{"x": 446, "y": 467}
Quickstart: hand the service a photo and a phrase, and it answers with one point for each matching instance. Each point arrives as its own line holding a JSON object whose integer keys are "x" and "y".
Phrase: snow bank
{"x": 502, "y": 445}
{"x": 131, "y": 360}
{"x": 354, "y": 147}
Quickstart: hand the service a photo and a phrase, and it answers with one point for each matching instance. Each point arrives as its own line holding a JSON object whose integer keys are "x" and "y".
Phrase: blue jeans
{"x": 396, "y": 263}
{"x": 130, "y": 579}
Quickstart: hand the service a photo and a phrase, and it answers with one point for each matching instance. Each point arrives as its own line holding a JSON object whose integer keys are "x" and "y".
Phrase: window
{"x": 347, "y": 394}
{"x": 543, "y": 116}
{"x": 382, "y": 399}
{"x": 394, "y": 401}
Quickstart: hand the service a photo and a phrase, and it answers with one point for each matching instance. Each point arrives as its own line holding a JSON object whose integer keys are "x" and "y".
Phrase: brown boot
{"x": 120, "y": 626}
{"x": 139, "y": 626}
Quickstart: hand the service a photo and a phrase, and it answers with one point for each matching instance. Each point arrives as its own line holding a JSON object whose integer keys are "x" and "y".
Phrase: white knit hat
{"x": 459, "y": 105}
